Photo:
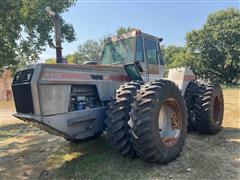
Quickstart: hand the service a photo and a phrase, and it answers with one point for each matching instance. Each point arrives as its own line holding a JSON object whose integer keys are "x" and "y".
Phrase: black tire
{"x": 209, "y": 109}
{"x": 118, "y": 116}
{"x": 144, "y": 122}
{"x": 191, "y": 94}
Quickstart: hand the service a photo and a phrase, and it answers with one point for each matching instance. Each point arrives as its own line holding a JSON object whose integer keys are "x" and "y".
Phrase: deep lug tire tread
{"x": 191, "y": 96}
{"x": 142, "y": 122}
{"x": 118, "y": 117}
{"x": 205, "y": 123}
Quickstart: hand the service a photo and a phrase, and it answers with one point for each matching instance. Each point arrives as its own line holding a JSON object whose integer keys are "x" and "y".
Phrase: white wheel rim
{"x": 169, "y": 122}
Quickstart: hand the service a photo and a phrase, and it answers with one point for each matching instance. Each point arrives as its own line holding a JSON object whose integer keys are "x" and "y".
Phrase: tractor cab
{"x": 140, "y": 48}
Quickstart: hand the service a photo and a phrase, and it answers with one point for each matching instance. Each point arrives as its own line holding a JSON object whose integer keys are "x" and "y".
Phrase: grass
{"x": 225, "y": 87}
{"x": 232, "y": 108}
{"x": 29, "y": 153}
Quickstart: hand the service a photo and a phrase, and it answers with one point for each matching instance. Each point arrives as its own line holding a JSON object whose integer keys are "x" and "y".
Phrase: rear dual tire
{"x": 209, "y": 109}
{"x": 205, "y": 107}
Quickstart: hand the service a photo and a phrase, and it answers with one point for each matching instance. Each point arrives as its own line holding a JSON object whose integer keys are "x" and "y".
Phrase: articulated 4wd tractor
{"x": 126, "y": 96}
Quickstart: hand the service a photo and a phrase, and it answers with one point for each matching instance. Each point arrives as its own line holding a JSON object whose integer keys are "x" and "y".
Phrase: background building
{"x": 5, "y": 85}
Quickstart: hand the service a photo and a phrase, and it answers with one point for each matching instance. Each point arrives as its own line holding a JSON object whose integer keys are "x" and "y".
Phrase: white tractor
{"x": 126, "y": 95}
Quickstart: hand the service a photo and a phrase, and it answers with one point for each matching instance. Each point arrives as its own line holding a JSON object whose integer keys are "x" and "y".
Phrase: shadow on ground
{"x": 29, "y": 153}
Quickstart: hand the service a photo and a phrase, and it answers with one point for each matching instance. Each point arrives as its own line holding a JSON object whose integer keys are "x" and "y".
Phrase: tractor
{"x": 126, "y": 96}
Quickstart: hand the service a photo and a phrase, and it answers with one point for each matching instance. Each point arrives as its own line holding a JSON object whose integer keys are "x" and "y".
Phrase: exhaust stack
{"x": 57, "y": 27}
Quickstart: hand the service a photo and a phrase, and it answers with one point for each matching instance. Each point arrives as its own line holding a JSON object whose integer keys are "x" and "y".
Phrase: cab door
{"x": 152, "y": 50}
{"x": 140, "y": 58}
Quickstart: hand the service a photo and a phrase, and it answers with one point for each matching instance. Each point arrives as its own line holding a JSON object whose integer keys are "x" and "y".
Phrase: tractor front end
{"x": 66, "y": 100}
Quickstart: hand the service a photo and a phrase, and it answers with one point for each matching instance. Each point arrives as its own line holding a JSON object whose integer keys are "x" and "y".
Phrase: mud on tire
{"x": 156, "y": 140}
{"x": 209, "y": 109}
{"x": 118, "y": 117}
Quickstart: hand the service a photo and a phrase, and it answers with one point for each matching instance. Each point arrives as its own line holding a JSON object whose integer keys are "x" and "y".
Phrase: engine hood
{"x": 61, "y": 72}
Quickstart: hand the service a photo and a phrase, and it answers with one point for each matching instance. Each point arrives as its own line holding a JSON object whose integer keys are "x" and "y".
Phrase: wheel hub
{"x": 216, "y": 109}
{"x": 169, "y": 122}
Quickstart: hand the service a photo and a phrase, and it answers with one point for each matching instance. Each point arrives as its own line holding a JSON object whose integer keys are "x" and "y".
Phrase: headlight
{"x": 23, "y": 76}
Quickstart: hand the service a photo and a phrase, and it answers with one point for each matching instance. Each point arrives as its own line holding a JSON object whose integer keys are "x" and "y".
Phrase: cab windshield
{"x": 119, "y": 52}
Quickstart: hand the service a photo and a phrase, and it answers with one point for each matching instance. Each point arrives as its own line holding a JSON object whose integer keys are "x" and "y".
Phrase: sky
{"x": 170, "y": 19}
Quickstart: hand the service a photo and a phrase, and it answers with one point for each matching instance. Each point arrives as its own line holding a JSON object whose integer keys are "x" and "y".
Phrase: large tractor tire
{"x": 191, "y": 96}
{"x": 158, "y": 122}
{"x": 118, "y": 117}
{"x": 209, "y": 109}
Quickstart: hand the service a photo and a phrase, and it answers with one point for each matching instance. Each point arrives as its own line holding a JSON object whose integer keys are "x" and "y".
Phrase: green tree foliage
{"x": 176, "y": 56}
{"x": 122, "y": 30}
{"x": 50, "y": 61}
{"x": 216, "y": 47}
{"x": 91, "y": 50}
{"x": 170, "y": 53}
{"x": 26, "y": 29}
{"x": 72, "y": 58}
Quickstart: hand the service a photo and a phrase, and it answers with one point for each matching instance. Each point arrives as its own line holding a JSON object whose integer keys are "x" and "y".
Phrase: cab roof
{"x": 133, "y": 33}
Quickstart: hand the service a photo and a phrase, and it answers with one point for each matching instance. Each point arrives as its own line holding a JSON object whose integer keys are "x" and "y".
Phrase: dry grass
{"x": 6, "y": 110}
{"x": 29, "y": 153}
{"x": 232, "y": 108}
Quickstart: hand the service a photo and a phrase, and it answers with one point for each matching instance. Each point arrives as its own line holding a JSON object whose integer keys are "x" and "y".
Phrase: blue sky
{"x": 168, "y": 19}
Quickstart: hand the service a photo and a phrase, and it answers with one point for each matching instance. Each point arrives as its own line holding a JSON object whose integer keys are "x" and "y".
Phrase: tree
{"x": 90, "y": 50}
{"x": 50, "y": 61}
{"x": 170, "y": 53}
{"x": 216, "y": 47}
{"x": 122, "y": 30}
{"x": 176, "y": 56}
{"x": 72, "y": 58}
{"x": 26, "y": 29}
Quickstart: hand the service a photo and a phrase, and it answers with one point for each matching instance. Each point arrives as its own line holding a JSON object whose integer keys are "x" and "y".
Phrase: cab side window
{"x": 151, "y": 51}
{"x": 139, "y": 50}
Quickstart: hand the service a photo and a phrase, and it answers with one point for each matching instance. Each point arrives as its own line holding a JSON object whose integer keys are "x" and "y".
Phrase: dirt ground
{"x": 29, "y": 153}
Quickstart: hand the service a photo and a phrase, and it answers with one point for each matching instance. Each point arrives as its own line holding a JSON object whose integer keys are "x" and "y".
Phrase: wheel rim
{"x": 169, "y": 122}
{"x": 216, "y": 109}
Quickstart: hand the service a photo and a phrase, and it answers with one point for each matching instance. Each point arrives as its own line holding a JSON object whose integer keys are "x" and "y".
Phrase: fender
{"x": 181, "y": 77}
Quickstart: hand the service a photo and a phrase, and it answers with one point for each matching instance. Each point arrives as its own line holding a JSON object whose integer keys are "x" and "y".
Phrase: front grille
{"x": 22, "y": 93}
